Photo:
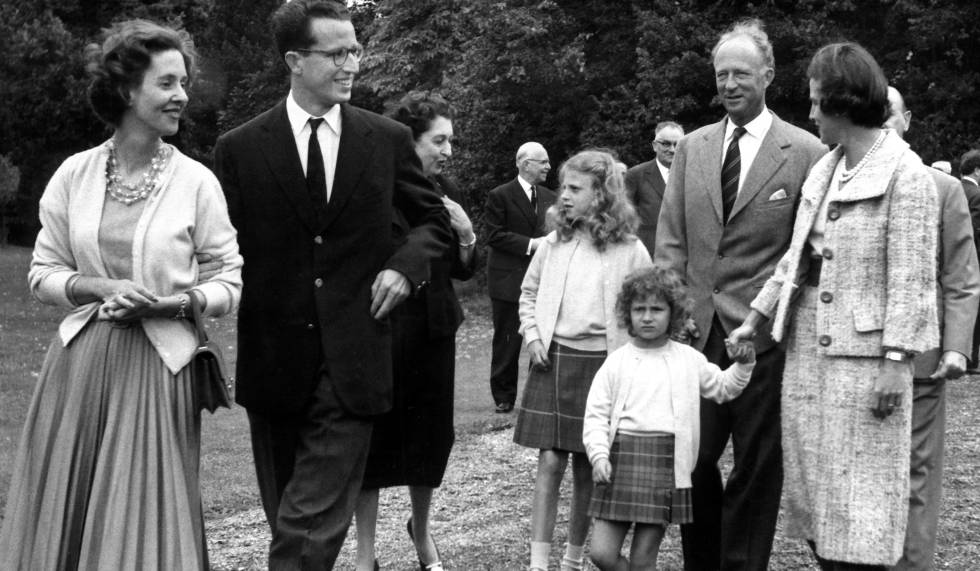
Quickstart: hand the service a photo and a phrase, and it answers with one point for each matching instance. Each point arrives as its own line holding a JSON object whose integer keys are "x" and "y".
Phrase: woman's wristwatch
{"x": 896, "y": 355}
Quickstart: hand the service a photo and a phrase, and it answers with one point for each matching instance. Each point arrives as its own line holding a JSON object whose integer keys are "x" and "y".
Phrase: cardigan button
{"x": 825, "y": 340}
{"x": 826, "y": 297}
{"x": 833, "y": 214}
{"x": 827, "y": 254}
{"x": 318, "y": 282}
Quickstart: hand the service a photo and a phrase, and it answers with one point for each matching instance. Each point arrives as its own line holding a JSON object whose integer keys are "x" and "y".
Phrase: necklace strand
{"x": 131, "y": 193}
{"x": 847, "y": 175}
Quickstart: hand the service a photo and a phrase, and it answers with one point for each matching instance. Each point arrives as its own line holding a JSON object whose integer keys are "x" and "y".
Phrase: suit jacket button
{"x": 826, "y": 297}
{"x": 827, "y": 254}
{"x": 309, "y": 326}
{"x": 825, "y": 340}
{"x": 318, "y": 282}
{"x": 318, "y": 240}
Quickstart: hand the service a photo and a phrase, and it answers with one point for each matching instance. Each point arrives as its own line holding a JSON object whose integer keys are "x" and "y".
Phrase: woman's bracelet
{"x": 182, "y": 310}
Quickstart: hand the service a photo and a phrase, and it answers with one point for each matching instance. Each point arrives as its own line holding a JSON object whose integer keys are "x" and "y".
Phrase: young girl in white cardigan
{"x": 641, "y": 420}
{"x": 568, "y": 319}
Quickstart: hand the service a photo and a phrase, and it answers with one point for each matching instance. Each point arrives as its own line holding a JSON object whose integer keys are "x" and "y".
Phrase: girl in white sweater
{"x": 641, "y": 420}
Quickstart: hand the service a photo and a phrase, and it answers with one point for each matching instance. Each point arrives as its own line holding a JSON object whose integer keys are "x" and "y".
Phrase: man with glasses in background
{"x": 645, "y": 183}
{"x": 312, "y": 187}
{"x": 514, "y": 218}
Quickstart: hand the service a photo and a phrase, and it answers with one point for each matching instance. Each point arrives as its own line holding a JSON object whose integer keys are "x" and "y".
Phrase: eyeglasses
{"x": 665, "y": 143}
{"x": 339, "y": 56}
{"x": 542, "y": 161}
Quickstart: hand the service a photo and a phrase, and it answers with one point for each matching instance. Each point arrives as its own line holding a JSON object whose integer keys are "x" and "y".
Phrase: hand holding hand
{"x": 740, "y": 352}
{"x": 388, "y": 290}
{"x": 951, "y": 366}
{"x": 889, "y": 387}
{"x": 459, "y": 220}
{"x": 124, "y": 295}
{"x": 539, "y": 355}
{"x": 602, "y": 471}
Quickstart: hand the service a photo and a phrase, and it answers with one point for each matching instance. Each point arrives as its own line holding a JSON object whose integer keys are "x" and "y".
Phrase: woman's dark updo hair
{"x": 418, "y": 109}
{"x": 119, "y": 63}
{"x": 851, "y": 83}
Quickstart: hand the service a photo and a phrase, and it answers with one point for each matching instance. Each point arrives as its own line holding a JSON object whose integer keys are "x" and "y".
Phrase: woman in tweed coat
{"x": 854, "y": 297}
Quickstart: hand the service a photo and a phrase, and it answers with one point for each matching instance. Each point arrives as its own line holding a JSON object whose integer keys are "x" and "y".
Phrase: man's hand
{"x": 207, "y": 267}
{"x": 388, "y": 290}
{"x": 951, "y": 365}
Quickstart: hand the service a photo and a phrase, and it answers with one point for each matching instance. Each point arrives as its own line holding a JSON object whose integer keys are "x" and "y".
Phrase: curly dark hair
{"x": 119, "y": 64}
{"x": 660, "y": 282}
{"x": 418, "y": 109}
{"x": 613, "y": 219}
{"x": 852, "y": 84}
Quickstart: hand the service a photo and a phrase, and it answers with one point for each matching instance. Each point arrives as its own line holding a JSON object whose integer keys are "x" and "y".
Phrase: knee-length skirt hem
{"x": 552, "y": 409}
{"x": 106, "y": 473}
{"x": 846, "y": 472}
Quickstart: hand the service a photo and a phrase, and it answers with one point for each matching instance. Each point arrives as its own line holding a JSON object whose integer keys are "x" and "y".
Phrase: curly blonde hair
{"x": 612, "y": 218}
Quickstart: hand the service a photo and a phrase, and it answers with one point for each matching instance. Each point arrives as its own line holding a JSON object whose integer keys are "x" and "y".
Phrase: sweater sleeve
{"x": 529, "y": 293}
{"x": 598, "y": 410}
{"x": 53, "y": 263}
{"x": 722, "y": 386}
{"x": 214, "y": 235}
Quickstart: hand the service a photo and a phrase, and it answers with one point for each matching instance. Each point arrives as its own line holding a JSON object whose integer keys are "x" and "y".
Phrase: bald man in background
{"x": 514, "y": 218}
{"x": 959, "y": 292}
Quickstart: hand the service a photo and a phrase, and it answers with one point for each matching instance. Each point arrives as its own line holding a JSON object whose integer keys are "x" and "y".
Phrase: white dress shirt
{"x": 526, "y": 186}
{"x": 328, "y": 135}
{"x": 748, "y": 145}
{"x": 664, "y": 171}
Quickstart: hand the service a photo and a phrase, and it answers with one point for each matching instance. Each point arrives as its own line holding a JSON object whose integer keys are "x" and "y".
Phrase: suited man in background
{"x": 970, "y": 173}
{"x": 959, "y": 294}
{"x": 645, "y": 182}
{"x": 312, "y": 185}
{"x": 514, "y": 218}
{"x": 726, "y": 219}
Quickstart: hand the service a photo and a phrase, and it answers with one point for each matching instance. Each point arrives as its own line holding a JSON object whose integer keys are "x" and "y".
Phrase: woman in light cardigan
{"x": 106, "y": 475}
{"x": 855, "y": 298}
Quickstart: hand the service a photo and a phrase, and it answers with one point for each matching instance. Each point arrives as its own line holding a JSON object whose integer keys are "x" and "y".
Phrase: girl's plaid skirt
{"x": 642, "y": 488}
{"x": 553, "y": 406}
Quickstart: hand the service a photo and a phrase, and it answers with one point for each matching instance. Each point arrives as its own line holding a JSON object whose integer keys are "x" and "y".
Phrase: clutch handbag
{"x": 212, "y": 386}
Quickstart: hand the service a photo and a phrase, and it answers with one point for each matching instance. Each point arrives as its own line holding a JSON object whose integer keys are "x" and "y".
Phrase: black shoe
{"x": 435, "y": 566}
{"x": 504, "y": 407}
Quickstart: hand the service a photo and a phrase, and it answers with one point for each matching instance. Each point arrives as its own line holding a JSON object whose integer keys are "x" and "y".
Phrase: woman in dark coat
{"x": 410, "y": 445}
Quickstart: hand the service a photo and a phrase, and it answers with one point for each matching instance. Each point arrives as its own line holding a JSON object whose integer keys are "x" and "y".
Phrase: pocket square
{"x": 778, "y": 195}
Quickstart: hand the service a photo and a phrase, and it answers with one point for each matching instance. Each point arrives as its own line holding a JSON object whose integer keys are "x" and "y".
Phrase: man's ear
{"x": 294, "y": 62}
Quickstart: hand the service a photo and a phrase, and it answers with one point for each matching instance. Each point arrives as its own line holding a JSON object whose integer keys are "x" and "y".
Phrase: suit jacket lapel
{"x": 708, "y": 159}
{"x": 352, "y": 157}
{"x": 657, "y": 180}
{"x": 519, "y": 197}
{"x": 768, "y": 160}
{"x": 283, "y": 160}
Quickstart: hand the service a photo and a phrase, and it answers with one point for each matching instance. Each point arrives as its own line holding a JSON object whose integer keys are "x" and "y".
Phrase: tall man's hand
{"x": 951, "y": 365}
{"x": 388, "y": 290}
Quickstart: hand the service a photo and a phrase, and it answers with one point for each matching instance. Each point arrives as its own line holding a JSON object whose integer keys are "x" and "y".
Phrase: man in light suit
{"x": 959, "y": 294}
{"x": 312, "y": 184}
{"x": 514, "y": 216}
{"x": 726, "y": 220}
{"x": 970, "y": 171}
{"x": 645, "y": 183}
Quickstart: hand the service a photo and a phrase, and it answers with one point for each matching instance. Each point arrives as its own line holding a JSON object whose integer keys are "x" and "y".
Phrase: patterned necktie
{"x": 730, "y": 170}
{"x": 534, "y": 199}
{"x": 316, "y": 178}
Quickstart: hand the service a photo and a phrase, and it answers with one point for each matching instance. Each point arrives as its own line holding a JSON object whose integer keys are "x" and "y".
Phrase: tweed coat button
{"x": 827, "y": 254}
{"x": 318, "y": 282}
{"x": 318, "y": 240}
{"x": 717, "y": 290}
{"x": 826, "y": 297}
{"x": 721, "y": 256}
{"x": 825, "y": 340}
{"x": 833, "y": 214}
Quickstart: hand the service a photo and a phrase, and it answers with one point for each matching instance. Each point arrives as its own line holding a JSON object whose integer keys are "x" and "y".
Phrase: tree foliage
{"x": 567, "y": 73}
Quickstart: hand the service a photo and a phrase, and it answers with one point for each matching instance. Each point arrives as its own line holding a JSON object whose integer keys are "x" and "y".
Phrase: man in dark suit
{"x": 959, "y": 293}
{"x": 514, "y": 218}
{"x": 727, "y": 218}
{"x": 645, "y": 183}
{"x": 970, "y": 173}
{"x": 312, "y": 184}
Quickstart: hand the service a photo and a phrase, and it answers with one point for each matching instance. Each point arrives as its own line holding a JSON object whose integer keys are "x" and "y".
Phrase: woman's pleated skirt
{"x": 106, "y": 472}
{"x": 553, "y": 406}
{"x": 643, "y": 488}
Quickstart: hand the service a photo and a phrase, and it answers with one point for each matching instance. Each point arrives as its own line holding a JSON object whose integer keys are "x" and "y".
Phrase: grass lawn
{"x": 481, "y": 514}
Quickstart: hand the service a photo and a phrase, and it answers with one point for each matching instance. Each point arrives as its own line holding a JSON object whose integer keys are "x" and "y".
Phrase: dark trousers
{"x": 734, "y": 524}
{"x": 926, "y": 474}
{"x": 506, "y": 351}
{"x": 309, "y": 469}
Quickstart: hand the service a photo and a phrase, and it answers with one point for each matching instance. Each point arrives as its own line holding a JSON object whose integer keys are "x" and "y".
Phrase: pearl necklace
{"x": 130, "y": 193}
{"x": 846, "y": 174}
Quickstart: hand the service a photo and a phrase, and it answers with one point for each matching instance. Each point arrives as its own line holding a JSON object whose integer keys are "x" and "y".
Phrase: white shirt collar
{"x": 524, "y": 184}
{"x": 664, "y": 171}
{"x": 971, "y": 179}
{"x": 298, "y": 117}
{"x": 757, "y": 127}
